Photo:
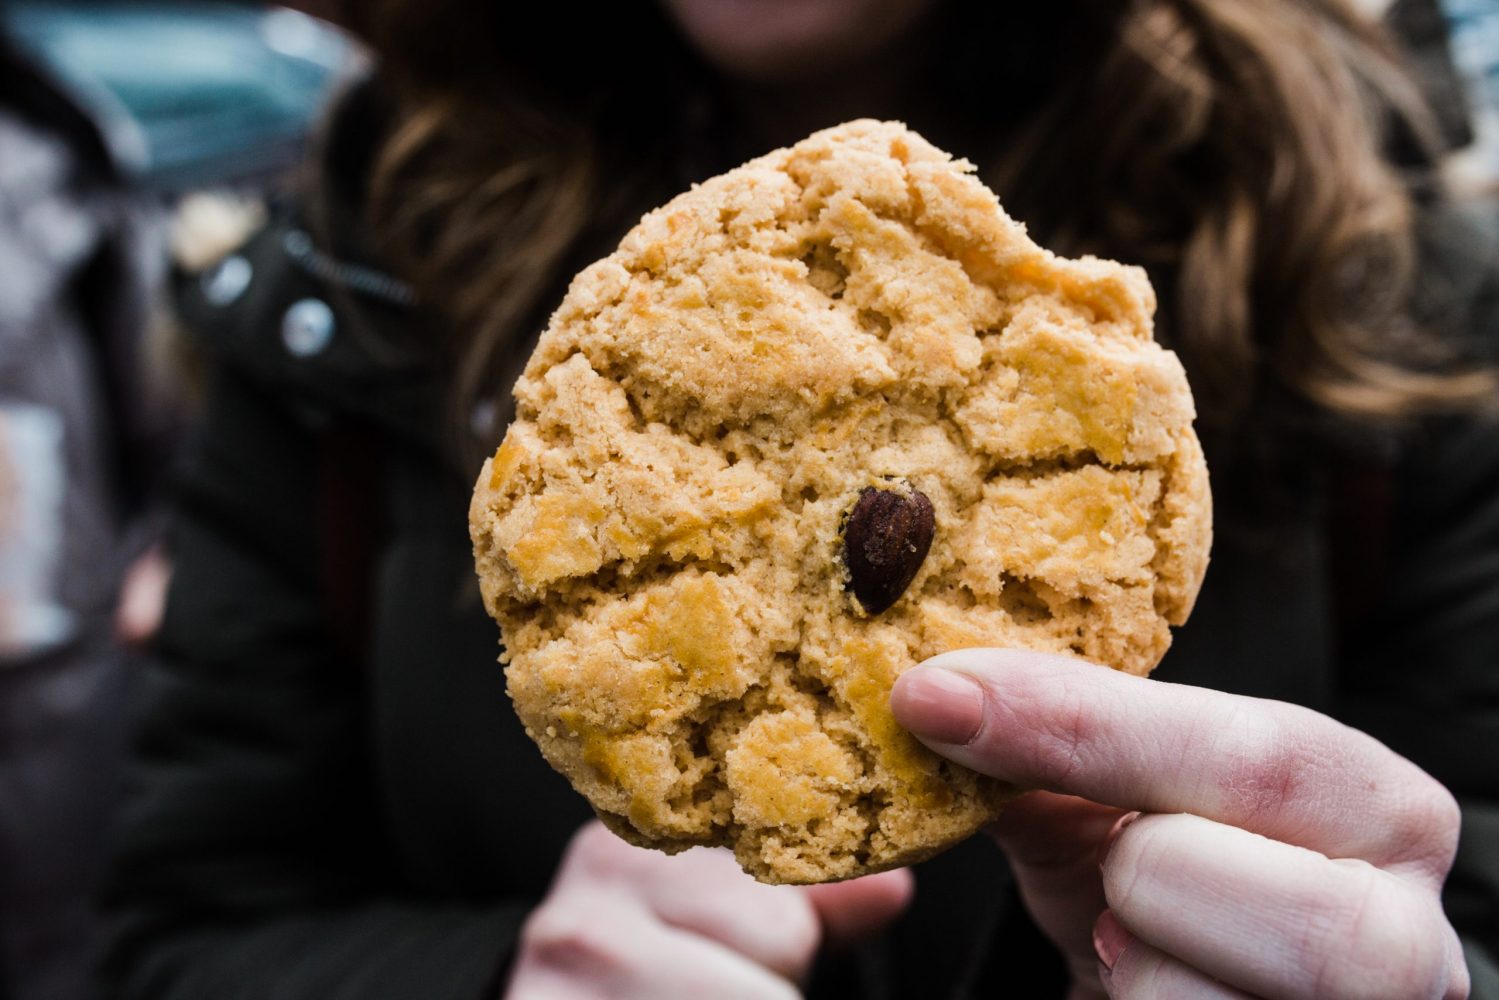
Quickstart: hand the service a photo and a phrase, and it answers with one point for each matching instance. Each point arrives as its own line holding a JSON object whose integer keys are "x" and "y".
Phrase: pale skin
{"x": 625, "y": 922}
{"x": 1190, "y": 843}
{"x": 1180, "y": 843}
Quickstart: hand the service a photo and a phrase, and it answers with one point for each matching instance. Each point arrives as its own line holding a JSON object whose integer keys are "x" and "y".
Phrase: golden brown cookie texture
{"x": 661, "y": 535}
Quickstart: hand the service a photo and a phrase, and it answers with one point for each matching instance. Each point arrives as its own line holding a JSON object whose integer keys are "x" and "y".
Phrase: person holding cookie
{"x": 823, "y": 498}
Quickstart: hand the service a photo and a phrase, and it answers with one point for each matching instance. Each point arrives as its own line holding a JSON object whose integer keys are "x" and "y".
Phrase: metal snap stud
{"x": 227, "y": 280}
{"x": 307, "y": 327}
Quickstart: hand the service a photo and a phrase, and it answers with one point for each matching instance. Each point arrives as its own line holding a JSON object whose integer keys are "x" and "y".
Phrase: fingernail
{"x": 939, "y": 705}
{"x": 1113, "y": 835}
{"x": 1109, "y": 939}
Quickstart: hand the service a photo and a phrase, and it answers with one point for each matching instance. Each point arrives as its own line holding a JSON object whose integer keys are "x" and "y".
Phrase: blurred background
{"x": 140, "y": 143}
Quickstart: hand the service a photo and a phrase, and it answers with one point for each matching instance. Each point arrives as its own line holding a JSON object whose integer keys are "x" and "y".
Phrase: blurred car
{"x": 188, "y": 95}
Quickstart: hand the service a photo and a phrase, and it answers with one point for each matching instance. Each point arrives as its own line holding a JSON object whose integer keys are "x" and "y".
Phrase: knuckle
{"x": 1264, "y": 772}
{"x": 1462, "y": 983}
{"x": 564, "y": 937}
{"x": 1384, "y": 942}
{"x": 1426, "y": 825}
{"x": 551, "y": 923}
{"x": 1059, "y": 721}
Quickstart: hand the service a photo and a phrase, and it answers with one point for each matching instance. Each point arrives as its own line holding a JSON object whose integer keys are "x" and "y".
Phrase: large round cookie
{"x": 816, "y": 361}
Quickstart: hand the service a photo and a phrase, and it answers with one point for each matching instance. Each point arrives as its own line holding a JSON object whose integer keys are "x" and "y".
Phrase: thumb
{"x": 850, "y": 910}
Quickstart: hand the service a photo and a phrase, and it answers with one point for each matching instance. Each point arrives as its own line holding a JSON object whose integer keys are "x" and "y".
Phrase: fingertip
{"x": 898, "y": 886}
{"x": 891, "y": 889}
{"x": 938, "y": 704}
{"x": 1112, "y": 836}
{"x": 942, "y": 700}
{"x": 1109, "y": 939}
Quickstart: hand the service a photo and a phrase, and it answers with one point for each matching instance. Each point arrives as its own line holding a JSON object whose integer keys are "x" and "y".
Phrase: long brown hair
{"x": 1236, "y": 148}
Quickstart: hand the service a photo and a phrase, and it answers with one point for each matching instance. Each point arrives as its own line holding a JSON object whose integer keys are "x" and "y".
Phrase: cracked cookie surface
{"x": 659, "y": 533}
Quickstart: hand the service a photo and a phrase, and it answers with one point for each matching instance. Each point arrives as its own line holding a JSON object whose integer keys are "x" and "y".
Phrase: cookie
{"x": 815, "y": 420}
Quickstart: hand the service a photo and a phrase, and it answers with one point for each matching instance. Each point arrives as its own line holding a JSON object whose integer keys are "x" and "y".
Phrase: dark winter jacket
{"x": 334, "y": 800}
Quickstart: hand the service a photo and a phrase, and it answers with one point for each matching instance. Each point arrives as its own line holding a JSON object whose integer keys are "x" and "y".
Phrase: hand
{"x": 1280, "y": 854}
{"x": 625, "y": 922}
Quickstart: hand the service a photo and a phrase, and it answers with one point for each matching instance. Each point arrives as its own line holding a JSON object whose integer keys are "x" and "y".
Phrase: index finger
{"x": 1069, "y": 726}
